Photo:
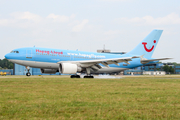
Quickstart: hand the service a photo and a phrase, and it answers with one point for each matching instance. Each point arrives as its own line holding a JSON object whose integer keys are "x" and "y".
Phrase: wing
{"x": 105, "y": 62}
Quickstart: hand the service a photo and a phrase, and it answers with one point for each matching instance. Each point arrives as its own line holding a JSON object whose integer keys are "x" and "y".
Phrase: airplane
{"x": 72, "y": 62}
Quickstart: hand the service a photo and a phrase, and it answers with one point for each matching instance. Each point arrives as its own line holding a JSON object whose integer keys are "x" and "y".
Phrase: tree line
{"x": 168, "y": 69}
{"x": 5, "y": 64}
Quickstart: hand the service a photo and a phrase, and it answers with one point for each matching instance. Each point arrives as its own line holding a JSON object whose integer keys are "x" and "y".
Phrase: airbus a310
{"x": 73, "y": 62}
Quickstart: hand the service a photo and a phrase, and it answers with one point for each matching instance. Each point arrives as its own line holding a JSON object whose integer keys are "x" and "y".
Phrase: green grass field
{"x": 48, "y": 97}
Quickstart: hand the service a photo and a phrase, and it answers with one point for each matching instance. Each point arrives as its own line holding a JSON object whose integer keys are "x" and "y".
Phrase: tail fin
{"x": 147, "y": 45}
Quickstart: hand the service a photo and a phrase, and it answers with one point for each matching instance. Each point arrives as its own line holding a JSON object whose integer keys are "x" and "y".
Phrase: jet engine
{"x": 49, "y": 71}
{"x": 69, "y": 68}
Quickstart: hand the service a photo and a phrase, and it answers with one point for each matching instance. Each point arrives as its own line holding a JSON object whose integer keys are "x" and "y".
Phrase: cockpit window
{"x": 14, "y": 52}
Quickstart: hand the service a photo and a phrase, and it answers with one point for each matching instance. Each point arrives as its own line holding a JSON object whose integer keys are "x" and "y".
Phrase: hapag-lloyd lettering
{"x": 48, "y": 52}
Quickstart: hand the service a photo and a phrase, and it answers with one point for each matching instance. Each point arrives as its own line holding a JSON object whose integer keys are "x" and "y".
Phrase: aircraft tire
{"x": 78, "y": 76}
{"x": 75, "y": 76}
{"x": 88, "y": 76}
{"x": 28, "y": 74}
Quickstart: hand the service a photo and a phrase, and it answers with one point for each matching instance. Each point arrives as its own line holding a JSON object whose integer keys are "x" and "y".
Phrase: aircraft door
{"x": 72, "y": 58}
{"x": 29, "y": 53}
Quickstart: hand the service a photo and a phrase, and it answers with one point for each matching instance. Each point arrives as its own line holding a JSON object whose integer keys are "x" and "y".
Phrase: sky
{"x": 88, "y": 25}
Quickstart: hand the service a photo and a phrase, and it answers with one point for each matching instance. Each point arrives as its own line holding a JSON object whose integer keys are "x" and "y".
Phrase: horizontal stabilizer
{"x": 147, "y": 61}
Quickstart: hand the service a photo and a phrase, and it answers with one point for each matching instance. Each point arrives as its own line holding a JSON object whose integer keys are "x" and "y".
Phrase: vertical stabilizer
{"x": 147, "y": 46}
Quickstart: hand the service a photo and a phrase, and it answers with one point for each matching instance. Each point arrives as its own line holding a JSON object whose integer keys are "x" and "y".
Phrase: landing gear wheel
{"x": 28, "y": 74}
{"x": 88, "y": 76}
{"x": 75, "y": 76}
{"x": 88, "y": 72}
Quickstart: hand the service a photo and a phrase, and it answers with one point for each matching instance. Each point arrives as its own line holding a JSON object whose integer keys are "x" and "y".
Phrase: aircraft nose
{"x": 7, "y": 56}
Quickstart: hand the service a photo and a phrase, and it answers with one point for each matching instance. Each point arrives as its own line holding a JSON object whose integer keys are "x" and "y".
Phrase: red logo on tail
{"x": 148, "y": 50}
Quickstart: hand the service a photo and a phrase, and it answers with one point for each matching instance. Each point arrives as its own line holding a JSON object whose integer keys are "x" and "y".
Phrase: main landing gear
{"x": 78, "y": 76}
{"x": 75, "y": 76}
{"x": 87, "y": 76}
{"x": 28, "y": 73}
{"x": 88, "y": 71}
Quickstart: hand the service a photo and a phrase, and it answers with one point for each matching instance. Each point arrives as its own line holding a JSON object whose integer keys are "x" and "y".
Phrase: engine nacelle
{"x": 49, "y": 71}
{"x": 68, "y": 68}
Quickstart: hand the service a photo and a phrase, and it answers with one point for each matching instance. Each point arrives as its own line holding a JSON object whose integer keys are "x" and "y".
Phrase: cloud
{"x": 112, "y": 32}
{"x": 30, "y": 25}
{"x": 34, "y": 18}
{"x": 26, "y": 16}
{"x": 21, "y": 20}
{"x": 58, "y": 18}
{"x": 170, "y": 19}
{"x": 31, "y": 20}
{"x": 3, "y": 22}
{"x": 80, "y": 26}
{"x": 115, "y": 0}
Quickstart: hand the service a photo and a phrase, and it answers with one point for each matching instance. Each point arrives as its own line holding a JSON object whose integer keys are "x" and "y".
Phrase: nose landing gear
{"x": 28, "y": 73}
